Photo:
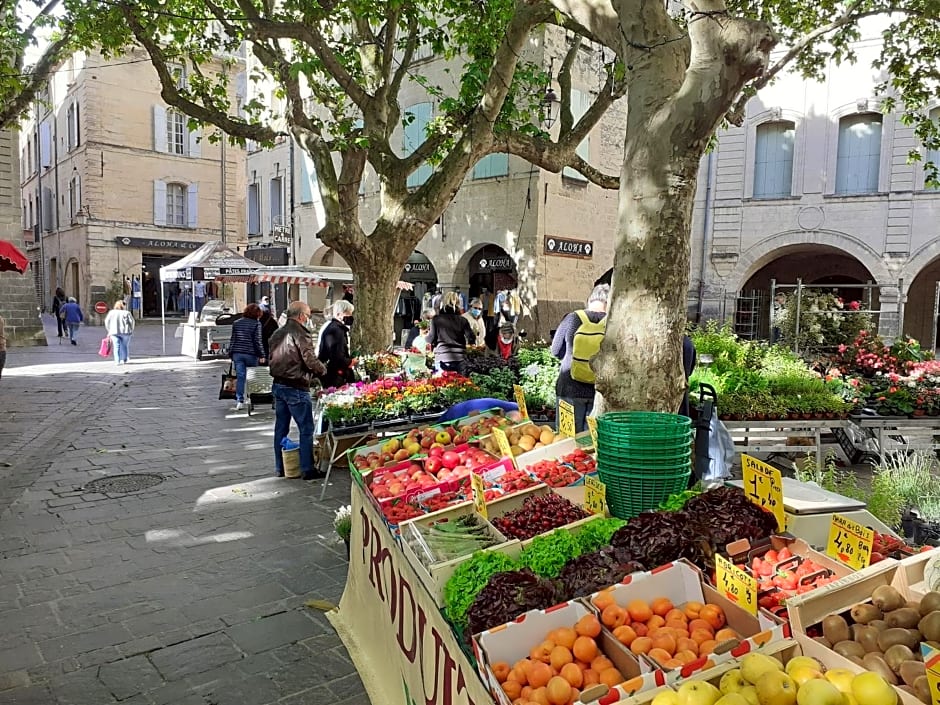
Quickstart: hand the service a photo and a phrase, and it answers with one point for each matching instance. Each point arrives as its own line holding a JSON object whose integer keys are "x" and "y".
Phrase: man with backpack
{"x": 576, "y": 342}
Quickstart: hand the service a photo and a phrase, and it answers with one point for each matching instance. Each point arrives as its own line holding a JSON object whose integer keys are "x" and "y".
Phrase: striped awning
{"x": 312, "y": 276}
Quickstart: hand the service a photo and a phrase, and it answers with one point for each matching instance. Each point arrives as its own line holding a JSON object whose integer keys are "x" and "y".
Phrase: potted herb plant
{"x": 342, "y": 524}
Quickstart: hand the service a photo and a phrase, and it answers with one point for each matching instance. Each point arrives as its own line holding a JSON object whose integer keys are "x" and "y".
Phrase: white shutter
{"x": 159, "y": 129}
{"x": 195, "y": 146}
{"x": 45, "y": 145}
{"x": 159, "y": 202}
{"x": 192, "y": 205}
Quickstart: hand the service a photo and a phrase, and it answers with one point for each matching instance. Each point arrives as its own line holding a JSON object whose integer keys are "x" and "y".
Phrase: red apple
{"x": 461, "y": 471}
{"x": 436, "y": 452}
{"x": 433, "y": 464}
{"x": 450, "y": 459}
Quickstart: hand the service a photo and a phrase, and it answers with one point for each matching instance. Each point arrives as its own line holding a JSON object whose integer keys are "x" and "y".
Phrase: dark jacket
{"x": 293, "y": 360}
{"x": 334, "y": 353}
{"x": 448, "y": 336}
{"x": 563, "y": 349}
{"x": 57, "y": 305}
{"x": 268, "y": 326}
{"x": 246, "y": 338}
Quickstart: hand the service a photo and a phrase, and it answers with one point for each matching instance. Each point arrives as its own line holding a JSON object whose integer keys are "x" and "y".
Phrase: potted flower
{"x": 342, "y": 524}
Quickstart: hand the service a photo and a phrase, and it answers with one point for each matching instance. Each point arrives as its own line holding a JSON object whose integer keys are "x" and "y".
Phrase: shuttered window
{"x": 417, "y": 119}
{"x": 859, "y": 160}
{"x": 933, "y": 155}
{"x": 773, "y": 160}
{"x": 491, "y": 165}
{"x": 580, "y": 102}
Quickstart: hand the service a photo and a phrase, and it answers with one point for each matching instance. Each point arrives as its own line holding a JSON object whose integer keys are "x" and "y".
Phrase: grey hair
{"x": 600, "y": 294}
{"x": 476, "y": 302}
{"x": 296, "y": 309}
{"x": 72, "y": 300}
{"x": 342, "y": 308}
{"x": 428, "y": 313}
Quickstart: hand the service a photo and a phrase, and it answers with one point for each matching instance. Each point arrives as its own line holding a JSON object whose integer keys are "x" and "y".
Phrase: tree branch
{"x": 564, "y": 85}
{"x": 595, "y": 18}
{"x": 552, "y": 157}
{"x": 38, "y": 77}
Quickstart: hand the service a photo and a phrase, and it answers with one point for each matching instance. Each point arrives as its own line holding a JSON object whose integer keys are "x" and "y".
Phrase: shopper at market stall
{"x": 576, "y": 342}
{"x": 294, "y": 367}
{"x": 419, "y": 330}
{"x": 268, "y": 326}
{"x": 449, "y": 335}
{"x": 475, "y": 318}
{"x": 334, "y": 346}
{"x": 246, "y": 349}
{"x": 505, "y": 342}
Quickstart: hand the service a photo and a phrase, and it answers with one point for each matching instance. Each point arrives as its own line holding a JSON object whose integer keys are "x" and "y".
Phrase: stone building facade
{"x": 116, "y": 185}
{"x": 18, "y": 305}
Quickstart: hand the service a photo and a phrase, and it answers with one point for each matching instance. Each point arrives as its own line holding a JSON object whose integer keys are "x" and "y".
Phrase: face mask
{"x": 475, "y": 312}
{"x": 505, "y": 309}
{"x": 348, "y": 320}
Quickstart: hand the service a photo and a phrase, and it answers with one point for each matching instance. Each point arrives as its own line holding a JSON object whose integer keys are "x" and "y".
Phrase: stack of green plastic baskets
{"x": 642, "y": 458}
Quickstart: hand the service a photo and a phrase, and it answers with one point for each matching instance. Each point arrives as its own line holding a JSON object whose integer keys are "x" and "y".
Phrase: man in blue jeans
{"x": 294, "y": 366}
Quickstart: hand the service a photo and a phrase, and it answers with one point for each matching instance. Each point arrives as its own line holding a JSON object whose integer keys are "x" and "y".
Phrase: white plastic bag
{"x": 720, "y": 452}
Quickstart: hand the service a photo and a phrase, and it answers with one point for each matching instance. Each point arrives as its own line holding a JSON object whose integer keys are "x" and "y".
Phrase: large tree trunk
{"x": 375, "y": 296}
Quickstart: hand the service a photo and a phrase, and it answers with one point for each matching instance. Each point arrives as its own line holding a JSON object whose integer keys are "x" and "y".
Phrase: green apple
{"x": 732, "y": 699}
{"x": 802, "y": 674}
{"x": 871, "y": 689}
{"x": 698, "y": 693}
{"x": 841, "y": 678}
{"x": 819, "y": 692}
{"x": 776, "y": 688}
{"x": 798, "y": 661}
{"x": 753, "y": 666}
{"x": 750, "y": 694}
{"x": 732, "y": 682}
{"x": 667, "y": 697}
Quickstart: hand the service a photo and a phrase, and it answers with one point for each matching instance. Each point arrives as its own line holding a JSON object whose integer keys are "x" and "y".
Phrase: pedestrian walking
{"x": 246, "y": 348}
{"x": 449, "y": 334}
{"x": 3, "y": 345}
{"x": 72, "y": 314}
{"x": 334, "y": 346}
{"x": 58, "y": 301}
{"x": 294, "y": 367}
{"x": 475, "y": 318}
{"x": 120, "y": 326}
{"x": 199, "y": 294}
{"x": 576, "y": 342}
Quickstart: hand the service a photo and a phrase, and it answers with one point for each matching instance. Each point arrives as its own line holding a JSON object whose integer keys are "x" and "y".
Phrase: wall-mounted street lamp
{"x": 548, "y": 111}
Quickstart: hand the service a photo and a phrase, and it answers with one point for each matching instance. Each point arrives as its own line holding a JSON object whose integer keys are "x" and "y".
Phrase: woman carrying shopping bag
{"x": 120, "y": 326}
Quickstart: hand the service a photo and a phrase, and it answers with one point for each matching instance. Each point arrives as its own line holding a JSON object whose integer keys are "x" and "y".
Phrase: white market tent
{"x": 213, "y": 261}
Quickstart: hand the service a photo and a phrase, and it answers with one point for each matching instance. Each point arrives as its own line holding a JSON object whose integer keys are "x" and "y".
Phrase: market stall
{"x": 461, "y": 529}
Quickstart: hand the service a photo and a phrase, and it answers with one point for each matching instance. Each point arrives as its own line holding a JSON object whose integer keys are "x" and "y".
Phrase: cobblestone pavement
{"x": 190, "y": 592}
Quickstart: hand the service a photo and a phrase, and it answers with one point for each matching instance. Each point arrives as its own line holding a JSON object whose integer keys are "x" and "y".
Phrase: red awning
{"x": 11, "y": 259}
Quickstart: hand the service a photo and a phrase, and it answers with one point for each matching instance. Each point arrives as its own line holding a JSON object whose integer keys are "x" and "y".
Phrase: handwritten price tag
{"x": 595, "y": 495}
{"x": 850, "y": 542}
{"x": 479, "y": 494}
{"x": 932, "y": 663}
{"x": 735, "y": 584}
{"x": 505, "y": 450}
{"x": 566, "y": 419}
{"x": 592, "y": 427}
{"x": 519, "y": 394}
{"x": 764, "y": 486}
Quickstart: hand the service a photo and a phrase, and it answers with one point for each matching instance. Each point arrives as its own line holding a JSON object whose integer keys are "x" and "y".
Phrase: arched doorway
{"x": 491, "y": 269}
{"x": 817, "y": 267}
{"x": 419, "y": 271}
{"x": 920, "y": 320}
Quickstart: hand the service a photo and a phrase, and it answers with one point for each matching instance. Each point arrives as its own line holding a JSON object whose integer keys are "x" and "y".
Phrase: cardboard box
{"x": 682, "y": 582}
{"x": 513, "y": 641}
{"x": 511, "y": 502}
{"x": 912, "y": 572}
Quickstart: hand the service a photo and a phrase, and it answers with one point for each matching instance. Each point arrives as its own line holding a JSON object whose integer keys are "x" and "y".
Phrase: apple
{"x": 442, "y": 437}
{"x": 818, "y": 691}
{"x": 803, "y": 674}
{"x": 667, "y": 697}
{"x": 732, "y": 682}
{"x": 461, "y": 471}
{"x": 698, "y": 693}
{"x": 841, "y": 678}
{"x": 777, "y": 688}
{"x": 426, "y": 442}
{"x": 433, "y": 465}
{"x": 871, "y": 689}
{"x": 401, "y": 455}
{"x": 798, "y": 661}
{"x": 753, "y": 666}
{"x": 450, "y": 459}
{"x": 396, "y": 488}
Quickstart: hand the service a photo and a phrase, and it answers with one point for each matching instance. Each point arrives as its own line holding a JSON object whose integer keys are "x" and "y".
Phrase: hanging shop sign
{"x": 418, "y": 268}
{"x": 496, "y": 264}
{"x": 281, "y": 234}
{"x": 583, "y": 249}
{"x": 270, "y": 256}
{"x": 156, "y": 244}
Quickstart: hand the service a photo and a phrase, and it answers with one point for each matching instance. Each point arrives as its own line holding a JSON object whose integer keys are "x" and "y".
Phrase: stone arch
{"x": 327, "y": 257}
{"x": 919, "y": 287}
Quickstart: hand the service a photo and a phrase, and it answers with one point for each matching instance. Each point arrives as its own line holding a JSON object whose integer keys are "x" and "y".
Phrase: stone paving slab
{"x": 190, "y": 592}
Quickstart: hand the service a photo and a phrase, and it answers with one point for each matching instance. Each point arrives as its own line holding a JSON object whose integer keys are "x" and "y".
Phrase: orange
{"x": 660, "y": 656}
{"x": 539, "y": 696}
{"x": 564, "y": 637}
{"x": 540, "y": 674}
{"x": 665, "y": 641}
{"x": 610, "y": 677}
{"x": 574, "y": 675}
{"x": 590, "y": 678}
{"x": 560, "y": 657}
{"x": 714, "y": 615}
{"x": 655, "y": 621}
{"x": 526, "y": 692}
{"x": 677, "y": 625}
{"x": 700, "y": 624}
{"x": 518, "y": 675}
{"x": 700, "y": 635}
{"x": 692, "y": 609}
{"x": 603, "y": 600}
{"x": 640, "y": 628}
{"x": 641, "y": 645}
{"x": 685, "y": 657}
{"x": 725, "y": 635}
{"x": 624, "y": 634}
{"x": 684, "y": 643}
{"x": 676, "y": 614}
{"x": 542, "y": 652}
{"x": 661, "y": 606}
{"x": 585, "y": 649}
{"x": 501, "y": 670}
{"x": 512, "y": 689}
{"x": 706, "y": 647}
{"x": 588, "y": 626}
{"x": 558, "y": 691}
{"x": 601, "y": 663}
{"x": 613, "y": 616}
{"x": 640, "y": 611}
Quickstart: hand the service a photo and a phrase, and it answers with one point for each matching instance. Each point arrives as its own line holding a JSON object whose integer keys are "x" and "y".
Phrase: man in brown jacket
{"x": 294, "y": 366}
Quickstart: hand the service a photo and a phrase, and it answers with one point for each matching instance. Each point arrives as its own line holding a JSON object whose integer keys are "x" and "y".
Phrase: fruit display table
{"x": 772, "y": 436}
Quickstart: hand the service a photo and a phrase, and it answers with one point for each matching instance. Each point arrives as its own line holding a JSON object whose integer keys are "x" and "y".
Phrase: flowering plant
{"x": 342, "y": 522}
{"x": 380, "y": 364}
{"x": 824, "y": 320}
{"x": 868, "y": 356}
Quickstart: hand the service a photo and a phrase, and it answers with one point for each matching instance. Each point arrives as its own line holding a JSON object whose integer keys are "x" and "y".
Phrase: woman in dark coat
{"x": 268, "y": 326}
{"x": 334, "y": 347}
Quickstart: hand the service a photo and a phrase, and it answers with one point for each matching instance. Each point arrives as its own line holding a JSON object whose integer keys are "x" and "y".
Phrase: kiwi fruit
{"x": 929, "y": 603}
{"x": 874, "y": 662}
{"x": 905, "y": 617}
{"x": 896, "y": 635}
{"x": 910, "y": 671}
{"x": 913, "y": 604}
{"x": 887, "y": 599}
{"x": 865, "y": 613}
{"x": 866, "y": 636}
{"x": 835, "y": 629}
{"x": 849, "y": 648}
{"x": 823, "y": 640}
{"x": 922, "y": 689}
{"x": 897, "y": 655}
{"x": 929, "y": 626}
{"x": 878, "y": 624}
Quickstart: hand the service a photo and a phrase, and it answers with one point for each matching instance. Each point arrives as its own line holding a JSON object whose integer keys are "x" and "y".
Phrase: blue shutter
{"x": 933, "y": 155}
{"x": 192, "y": 205}
{"x": 491, "y": 165}
{"x": 254, "y": 210}
{"x": 580, "y": 102}
{"x": 415, "y": 133}
{"x": 773, "y": 160}
{"x": 859, "y": 155}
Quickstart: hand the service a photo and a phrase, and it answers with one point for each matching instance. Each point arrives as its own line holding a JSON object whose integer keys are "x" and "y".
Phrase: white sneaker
{"x": 239, "y": 406}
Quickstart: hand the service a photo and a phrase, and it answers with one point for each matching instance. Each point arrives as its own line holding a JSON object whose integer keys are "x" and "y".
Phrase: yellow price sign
{"x": 519, "y": 394}
{"x": 566, "y": 419}
{"x": 592, "y": 427}
{"x": 850, "y": 542}
{"x": 932, "y": 664}
{"x": 763, "y": 485}
{"x": 735, "y": 584}
{"x": 595, "y": 495}
{"x": 505, "y": 450}
{"x": 479, "y": 494}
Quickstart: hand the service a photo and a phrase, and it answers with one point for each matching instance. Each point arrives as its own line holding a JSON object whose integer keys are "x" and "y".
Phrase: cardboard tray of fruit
{"x": 536, "y": 511}
{"x": 870, "y": 622}
{"x": 674, "y": 621}
{"x": 920, "y": 573}
{"x": 523, "y": 438}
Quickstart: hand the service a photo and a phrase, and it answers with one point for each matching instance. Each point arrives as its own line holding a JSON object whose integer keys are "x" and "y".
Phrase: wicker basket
{"x": 291, "y": 460}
